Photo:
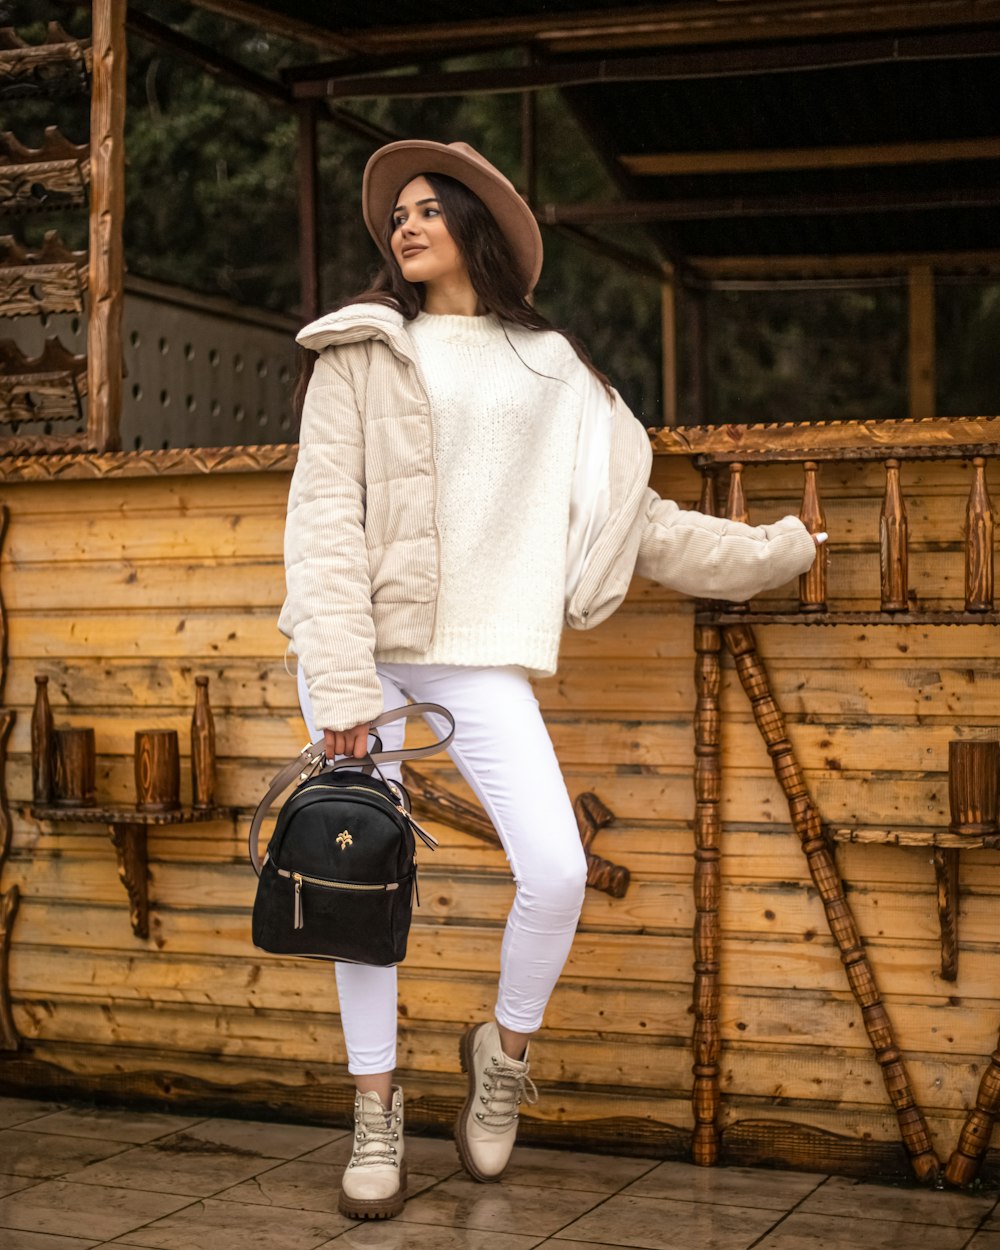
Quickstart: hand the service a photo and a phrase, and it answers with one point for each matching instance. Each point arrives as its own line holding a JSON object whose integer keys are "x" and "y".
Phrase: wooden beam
{"x": 350, "y": 81}
{"x": 848, "y": 156}
{"x": 668, "y": 331}
{"x": 921, "y": 342}
{"x": 610, "y": 251}
{"x": 262, "y": 17}
{"x": 639, "y": 212}
{"x": 214, "y": 63}
{"x": 849, "y": 265}
{"x": 664, "y": 25}
{"x": 105, "y": 292}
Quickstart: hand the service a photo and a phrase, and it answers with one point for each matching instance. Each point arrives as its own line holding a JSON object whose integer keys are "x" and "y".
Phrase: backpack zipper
{"x": 300, "y": 877}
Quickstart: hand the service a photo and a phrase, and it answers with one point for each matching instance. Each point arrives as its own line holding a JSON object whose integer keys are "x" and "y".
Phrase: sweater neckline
{"x": 449, "y": 328}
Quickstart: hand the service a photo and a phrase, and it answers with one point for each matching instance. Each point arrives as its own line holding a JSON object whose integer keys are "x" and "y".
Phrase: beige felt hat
{"x": 392, "y": 167}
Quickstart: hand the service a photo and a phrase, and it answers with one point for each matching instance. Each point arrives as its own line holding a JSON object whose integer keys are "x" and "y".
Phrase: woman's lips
{"x": 414, "y": 250}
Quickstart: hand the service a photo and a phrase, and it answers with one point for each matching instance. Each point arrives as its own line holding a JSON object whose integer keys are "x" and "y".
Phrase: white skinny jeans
{"x": 503, "y": 751}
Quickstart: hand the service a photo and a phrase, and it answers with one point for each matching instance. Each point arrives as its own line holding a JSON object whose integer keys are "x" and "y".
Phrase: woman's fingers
{"x": 352, "y": 742}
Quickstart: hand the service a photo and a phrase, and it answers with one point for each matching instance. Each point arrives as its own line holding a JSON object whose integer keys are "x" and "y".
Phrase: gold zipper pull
{"x": 298, "y": 900}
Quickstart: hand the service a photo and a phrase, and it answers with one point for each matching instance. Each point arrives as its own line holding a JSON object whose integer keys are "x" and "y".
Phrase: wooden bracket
{"x": 946, "y": 872}
{"x": 129, "y": 841}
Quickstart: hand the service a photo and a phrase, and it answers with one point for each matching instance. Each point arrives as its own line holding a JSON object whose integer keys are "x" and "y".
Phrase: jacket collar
{"x": 353, "y": 324}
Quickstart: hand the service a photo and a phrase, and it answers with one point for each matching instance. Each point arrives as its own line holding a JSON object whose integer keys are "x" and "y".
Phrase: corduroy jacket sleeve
{"x": 712, "y": 558}
{"x": 328, "y": 610}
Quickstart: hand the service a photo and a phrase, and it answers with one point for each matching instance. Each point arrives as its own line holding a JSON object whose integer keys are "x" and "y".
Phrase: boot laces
{"x": 505, "y": 1085}
{"x": 375, "y": 1135}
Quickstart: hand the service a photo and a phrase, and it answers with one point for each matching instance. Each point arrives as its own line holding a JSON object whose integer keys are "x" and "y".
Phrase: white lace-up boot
{"x": 487, "y": 1123}
{"x": 374, "y": 1182}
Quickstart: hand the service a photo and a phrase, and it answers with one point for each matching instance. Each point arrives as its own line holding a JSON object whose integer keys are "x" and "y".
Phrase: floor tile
{"x": 985, "y": 1241}
{"x": 663, "y": 1224}
{"x": 15, "y": 1239}
{"x": 9, "y": 1183}
{"x": 20, "y": 1110}
{"x": 992, "y": 1225}
{"x": 264, "y": 1137}
{"x": 112, "y": 1123}
{"x": 398, "y": 1235}
{"x": 526, "y": 1209}
{"x": 173, "y": 1166}
{"x": 742, "y": 1187}
{"x": 810, "y": 1231}
{"x": 436, "y": 1156}
{"x": 26, "y": 1153}
{"x": 227, "y": 1226}
{"x": 95, "y": 1211}
{"x": 840, "y": 1196}
{"x": 306, "y": 1186}
{"x": 569, "y": 1169}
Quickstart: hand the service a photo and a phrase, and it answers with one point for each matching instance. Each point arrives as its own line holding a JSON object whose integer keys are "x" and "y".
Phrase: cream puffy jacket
{"x": 361, "y": 543}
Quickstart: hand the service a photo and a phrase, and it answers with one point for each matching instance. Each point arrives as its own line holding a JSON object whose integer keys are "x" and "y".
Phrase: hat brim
{"x": 393, "y": 166}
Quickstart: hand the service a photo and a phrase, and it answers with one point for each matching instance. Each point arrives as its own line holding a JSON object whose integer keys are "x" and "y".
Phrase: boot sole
{"x": 461, "y": 1141}
{"x": 375, "y": 1208}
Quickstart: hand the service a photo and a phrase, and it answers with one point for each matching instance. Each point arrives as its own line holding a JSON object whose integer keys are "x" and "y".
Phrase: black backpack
{"x": 339, "y": 879}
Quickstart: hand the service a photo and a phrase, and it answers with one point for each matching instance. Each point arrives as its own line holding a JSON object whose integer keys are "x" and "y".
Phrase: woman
{"x": 466, "y": 482}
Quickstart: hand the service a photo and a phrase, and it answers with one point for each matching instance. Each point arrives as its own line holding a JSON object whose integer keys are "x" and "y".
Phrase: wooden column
{"x": 823, "y": 869}
{"x": 978, "y": 1127}
{"x": 668, "y": 323}
{"x": 107, "y": 209}
{"x": 921, "y": 342}
{"x": 308, "y": 209}
{"x": 707, "y": 1039}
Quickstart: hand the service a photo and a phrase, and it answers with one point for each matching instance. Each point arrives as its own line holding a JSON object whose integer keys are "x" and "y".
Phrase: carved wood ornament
{"x": 437, "y": 802}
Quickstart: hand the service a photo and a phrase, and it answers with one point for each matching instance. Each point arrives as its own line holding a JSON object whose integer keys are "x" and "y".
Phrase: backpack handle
{"x": 313, "y": 757}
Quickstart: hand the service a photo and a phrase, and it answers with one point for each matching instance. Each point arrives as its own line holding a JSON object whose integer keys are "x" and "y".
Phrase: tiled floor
{"x": 76, "y": 1177}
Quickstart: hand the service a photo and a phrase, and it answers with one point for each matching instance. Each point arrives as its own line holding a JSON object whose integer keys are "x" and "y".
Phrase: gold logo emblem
{"x": 344, "y": 840}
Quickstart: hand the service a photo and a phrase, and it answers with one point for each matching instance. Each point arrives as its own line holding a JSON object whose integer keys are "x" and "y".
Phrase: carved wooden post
{"x": 107, "y": 210}
{"x": 893, "y": 538}
{"x": 706, "y": 1041}
{"x": 736, "y": 510}
{"x": 823, "y": 868}
{"x": 978, "y": 1127}
{"x": 202, "y": 748}
{"x": 707, "y": 837}
{"x": 42, "y": 743}
{"x": 812, "y": 584}
{"x": 979, "y": 543}
{"x": 736, "y": 504}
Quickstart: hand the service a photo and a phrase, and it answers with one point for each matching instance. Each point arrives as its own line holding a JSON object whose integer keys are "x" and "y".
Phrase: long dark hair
{"x": 493, "y": 272}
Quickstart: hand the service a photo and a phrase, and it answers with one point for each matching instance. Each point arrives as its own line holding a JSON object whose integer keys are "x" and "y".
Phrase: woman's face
{"x": 421, "y": 242}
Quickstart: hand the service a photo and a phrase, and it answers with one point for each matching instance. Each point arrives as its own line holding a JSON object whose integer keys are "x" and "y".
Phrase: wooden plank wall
{"x": 123, "y": 590}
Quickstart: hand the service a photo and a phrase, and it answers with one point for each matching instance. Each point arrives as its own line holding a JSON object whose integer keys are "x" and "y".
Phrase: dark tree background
{"x": 211, "y": 206}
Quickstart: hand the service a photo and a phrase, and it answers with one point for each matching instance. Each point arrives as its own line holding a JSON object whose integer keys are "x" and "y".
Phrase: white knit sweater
{"x": 504, "y": 450}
